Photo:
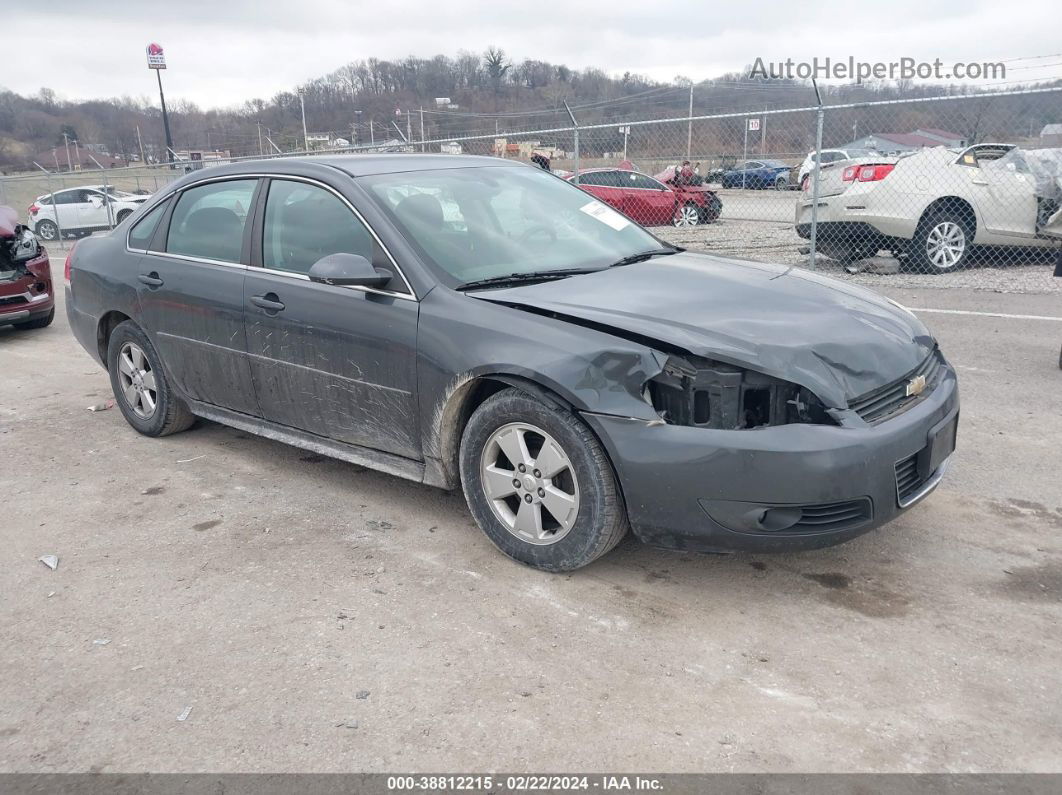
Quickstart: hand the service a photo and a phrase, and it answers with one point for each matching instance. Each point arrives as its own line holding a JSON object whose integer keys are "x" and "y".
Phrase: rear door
{"x": 191, "y": 291}
{"x": 338, "y": 362}
{"x": 647, "y": 201}
{"x": 605, "y": 185}
{"x": 68, "y": 208}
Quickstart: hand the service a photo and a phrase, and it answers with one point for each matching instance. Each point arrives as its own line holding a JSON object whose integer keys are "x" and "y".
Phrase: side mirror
{"x": 349, "y": 270}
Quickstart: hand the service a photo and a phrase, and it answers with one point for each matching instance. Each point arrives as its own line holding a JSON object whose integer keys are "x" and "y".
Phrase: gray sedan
{"x": 471, "y": 323}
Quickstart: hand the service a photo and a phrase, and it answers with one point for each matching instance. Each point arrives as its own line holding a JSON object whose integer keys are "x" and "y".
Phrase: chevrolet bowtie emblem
{"x": 916, "y": 385}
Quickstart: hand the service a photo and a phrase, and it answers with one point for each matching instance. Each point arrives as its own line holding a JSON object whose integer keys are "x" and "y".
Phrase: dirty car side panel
{"x": 462, "y": 337}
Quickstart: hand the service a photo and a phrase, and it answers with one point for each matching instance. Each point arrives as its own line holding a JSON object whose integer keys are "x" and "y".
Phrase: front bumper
{"x": 25, "y": 306}
{"x": 721, "y": 491}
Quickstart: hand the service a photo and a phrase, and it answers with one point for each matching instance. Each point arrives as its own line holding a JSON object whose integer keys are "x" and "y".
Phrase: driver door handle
{"x": 270, "y": 302}
{"x": 151, "y": 279}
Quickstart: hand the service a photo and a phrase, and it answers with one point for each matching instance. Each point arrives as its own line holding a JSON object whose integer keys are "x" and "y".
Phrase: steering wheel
{"x": 538, "y": 229}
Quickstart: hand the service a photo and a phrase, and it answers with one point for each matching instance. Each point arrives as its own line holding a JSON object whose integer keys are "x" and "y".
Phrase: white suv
{"x": 828, "y": 156}
{"x": 81, "y": 210}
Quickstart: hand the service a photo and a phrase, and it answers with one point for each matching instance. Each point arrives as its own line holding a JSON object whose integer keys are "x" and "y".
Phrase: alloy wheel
{"x": 686, "y": 215}
{"x": 138, "y": 380}
{"x": 47, "y": 230}
{"x": 945, "y": 245}
{"x": 530, "y": 483}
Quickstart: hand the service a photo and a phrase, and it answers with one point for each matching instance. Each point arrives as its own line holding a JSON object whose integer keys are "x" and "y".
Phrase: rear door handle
{"x": 270, "y": 302}
{"x": 150, "y": 279}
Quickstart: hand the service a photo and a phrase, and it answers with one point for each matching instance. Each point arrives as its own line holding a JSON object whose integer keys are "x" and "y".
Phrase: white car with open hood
{"x": 930, "y": 208}
{"x": 81, "y": 210}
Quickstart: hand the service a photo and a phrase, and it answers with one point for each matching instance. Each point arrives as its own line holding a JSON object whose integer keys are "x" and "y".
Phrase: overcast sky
{"x": 226, "y": 51}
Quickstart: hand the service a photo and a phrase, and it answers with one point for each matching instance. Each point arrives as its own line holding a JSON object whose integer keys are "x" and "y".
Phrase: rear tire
{"x": 135, "y": 369}
{"x": 37, "y": 322}
{"x": 781, "y": 183}
{"x": 573, "y": 472}
{"x": 47, "y": 230}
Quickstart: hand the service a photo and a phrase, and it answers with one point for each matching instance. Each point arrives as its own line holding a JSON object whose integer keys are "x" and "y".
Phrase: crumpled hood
{"x": 838, "y": 340}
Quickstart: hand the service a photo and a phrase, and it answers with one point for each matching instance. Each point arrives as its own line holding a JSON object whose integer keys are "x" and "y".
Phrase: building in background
{"x": 1051, "y": 135}
{"x": 894, "y": 143}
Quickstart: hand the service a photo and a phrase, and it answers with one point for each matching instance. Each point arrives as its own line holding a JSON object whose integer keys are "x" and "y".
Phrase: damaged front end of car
{"x": 702, "y": 393}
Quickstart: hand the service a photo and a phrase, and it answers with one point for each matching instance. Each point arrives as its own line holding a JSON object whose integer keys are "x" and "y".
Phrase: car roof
{"x": 363, "y": 165}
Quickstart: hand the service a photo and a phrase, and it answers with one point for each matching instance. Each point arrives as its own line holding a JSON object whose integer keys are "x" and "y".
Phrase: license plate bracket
{"x": 941, "y": 444}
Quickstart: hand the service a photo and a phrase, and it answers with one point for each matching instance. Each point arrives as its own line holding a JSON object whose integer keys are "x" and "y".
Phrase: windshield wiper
{"x": 519, "y": 278}
{"x": 658, "y": 252}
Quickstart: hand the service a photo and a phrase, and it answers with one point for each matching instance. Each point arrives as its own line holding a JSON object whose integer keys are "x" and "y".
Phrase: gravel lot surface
{"x": 303, "y": 614}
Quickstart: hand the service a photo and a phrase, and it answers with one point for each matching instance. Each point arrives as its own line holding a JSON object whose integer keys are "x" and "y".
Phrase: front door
{"x": 191, "y": 293}
{"x": 647, "y": 201}
{"x": 338, "y": 362}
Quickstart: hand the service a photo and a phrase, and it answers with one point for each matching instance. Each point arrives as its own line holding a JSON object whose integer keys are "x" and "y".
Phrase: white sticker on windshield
{"x": 605, "y": 214}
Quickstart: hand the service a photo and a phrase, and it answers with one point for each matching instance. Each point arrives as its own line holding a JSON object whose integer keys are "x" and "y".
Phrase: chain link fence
{"x": 937, "y": 192}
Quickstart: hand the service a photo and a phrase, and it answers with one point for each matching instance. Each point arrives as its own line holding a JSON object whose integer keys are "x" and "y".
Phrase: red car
{"x": 26, "y": 297}
{"x": 648, "y": 200}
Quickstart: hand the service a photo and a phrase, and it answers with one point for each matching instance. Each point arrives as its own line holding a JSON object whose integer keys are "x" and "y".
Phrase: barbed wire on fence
{"x": 929, "y": 185}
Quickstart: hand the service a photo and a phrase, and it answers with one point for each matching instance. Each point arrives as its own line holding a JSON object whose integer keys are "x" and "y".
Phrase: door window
{"x": 643, "y": 182}
{"x": 304, "y": 223}
{"x": 208, "y": 221}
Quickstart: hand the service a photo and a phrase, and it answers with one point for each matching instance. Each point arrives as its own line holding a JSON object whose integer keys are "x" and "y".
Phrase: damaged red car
{"x": 26, "y": 297}
{"x": 651, "y": 201}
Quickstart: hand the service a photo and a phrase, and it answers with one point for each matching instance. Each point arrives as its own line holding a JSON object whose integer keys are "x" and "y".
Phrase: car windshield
{"x": 489, "y": 222}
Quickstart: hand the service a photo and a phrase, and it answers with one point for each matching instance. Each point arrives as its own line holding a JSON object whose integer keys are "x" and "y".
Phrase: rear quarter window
{"x": 141, "y": 234}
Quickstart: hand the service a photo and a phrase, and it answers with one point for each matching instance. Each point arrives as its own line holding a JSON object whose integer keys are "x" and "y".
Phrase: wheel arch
{"x": 469, "y": 393}
{"x": 955, "y": 204}
{"x": 106, "y": 326}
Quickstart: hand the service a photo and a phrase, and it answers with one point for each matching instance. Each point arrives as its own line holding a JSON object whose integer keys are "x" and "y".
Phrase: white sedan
{"x": 931, "y": 207}
{"x": 81, "y": 210}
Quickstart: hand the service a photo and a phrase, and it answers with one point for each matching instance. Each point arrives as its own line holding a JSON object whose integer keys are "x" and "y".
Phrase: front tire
{"x": 141, "y": 387}
{"x": 781, "y": 183}
{"x": 687, "y": 215}
{"x": 539, "y": 484}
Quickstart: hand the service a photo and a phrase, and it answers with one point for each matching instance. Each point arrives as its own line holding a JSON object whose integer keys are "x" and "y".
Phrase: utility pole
{"x": 66, "y": 143}
{"x": 77, "y": 153}
{"x": 422, "y": 129}
{"x": 689, "y": 127}
{"x": 372, "y": 133}
{"x": 763, "y": 133}
{"x": 261, "y": 151}
{"x": 156, "y": 60}
{"x": 165, "y": 116}
{"x": 305, "y": 136}
{"x": 139, "y": 142}
{"x": 409, "y": 128}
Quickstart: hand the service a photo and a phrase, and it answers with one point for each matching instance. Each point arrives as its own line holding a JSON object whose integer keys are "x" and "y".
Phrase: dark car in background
{"x": 757, "y": 175}
{"x": 27, "y": 300}
{"x": 474, "y": 324}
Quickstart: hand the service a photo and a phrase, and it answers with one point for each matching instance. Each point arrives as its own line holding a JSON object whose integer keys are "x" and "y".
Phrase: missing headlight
{"x": 708, "y": 394}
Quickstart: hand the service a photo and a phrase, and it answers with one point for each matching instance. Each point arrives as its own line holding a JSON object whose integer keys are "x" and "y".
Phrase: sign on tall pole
{"x": 156, "y": 59}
